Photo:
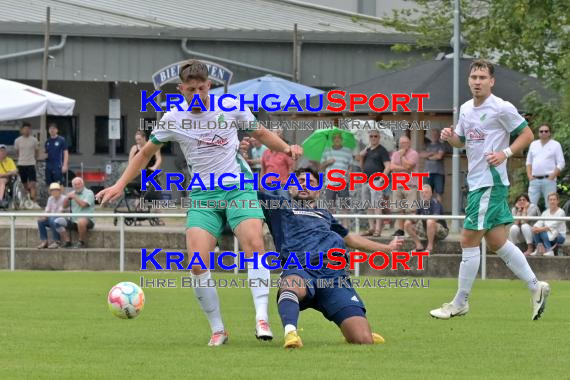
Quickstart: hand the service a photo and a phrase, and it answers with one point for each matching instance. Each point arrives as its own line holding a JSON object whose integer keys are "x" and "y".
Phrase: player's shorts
{"x": 487, "y": 207}
{"x": 337, "y": 302}
{"x": 213, "y": 219}
{"x": 27, "y": 173}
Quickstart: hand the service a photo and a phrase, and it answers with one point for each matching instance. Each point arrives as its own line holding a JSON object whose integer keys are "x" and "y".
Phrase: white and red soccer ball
{"x": 126, "y": 300}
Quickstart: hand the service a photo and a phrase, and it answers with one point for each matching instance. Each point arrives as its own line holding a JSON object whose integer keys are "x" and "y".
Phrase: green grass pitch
{"x": 56, "y": 325}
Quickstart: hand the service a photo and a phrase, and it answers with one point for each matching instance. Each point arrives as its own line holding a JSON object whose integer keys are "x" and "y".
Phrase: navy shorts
{"x": 437, "y": 182}
{"x": 337, "y": 302}
{"x": 53, "y": 174}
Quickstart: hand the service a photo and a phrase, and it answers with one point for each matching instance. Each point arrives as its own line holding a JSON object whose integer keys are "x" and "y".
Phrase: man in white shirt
{"x": 544, "y": 163}
{"x": 484, "y": 128}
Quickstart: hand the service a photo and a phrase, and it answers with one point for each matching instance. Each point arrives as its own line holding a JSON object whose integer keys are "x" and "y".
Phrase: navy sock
{"x": 288, "y": 305}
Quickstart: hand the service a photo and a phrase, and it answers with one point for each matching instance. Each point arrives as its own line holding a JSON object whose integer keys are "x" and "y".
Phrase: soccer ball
{"x": 126, "y": 300}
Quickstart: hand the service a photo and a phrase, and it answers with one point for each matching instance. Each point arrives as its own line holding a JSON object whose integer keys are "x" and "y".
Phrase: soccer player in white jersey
{"x": 213, "y": 150}
{"x": 485, "y": 125}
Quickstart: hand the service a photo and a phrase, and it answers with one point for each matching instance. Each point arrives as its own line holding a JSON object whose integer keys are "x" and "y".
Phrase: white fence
{"x": 121, "y": 225}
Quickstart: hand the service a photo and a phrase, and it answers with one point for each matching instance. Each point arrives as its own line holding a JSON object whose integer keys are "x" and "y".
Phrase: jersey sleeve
{"x": 460, "y": 127}
{"x": 162, "y": 134}
{"x": 245, "y": 117}
{"x": 64, "y": 143}
{"x": 511, "y": 120}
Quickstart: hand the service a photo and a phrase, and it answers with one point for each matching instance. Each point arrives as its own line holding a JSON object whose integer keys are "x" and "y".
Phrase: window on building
{"x": 67, "y": 127}
{"x": 102, "y": 135}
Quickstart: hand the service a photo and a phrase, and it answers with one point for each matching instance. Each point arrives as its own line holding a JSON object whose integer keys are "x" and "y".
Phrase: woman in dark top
{"x": 153, "y": 164}
{"x": 140, "y": 140}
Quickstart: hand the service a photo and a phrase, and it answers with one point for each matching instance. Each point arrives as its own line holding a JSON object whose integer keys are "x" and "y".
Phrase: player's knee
{"x": 361, "y": 338}
{"x": 408, "y": 224}
{"x": 431, "y": 222}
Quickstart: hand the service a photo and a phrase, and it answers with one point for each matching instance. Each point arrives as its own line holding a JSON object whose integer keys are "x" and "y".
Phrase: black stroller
{"x": 132, "y": 199}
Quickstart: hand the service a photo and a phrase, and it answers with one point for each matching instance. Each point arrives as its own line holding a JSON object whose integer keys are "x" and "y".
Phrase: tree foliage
{"x": 530, "y": 36}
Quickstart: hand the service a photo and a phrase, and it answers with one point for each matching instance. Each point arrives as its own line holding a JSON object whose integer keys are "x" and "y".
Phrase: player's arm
{"x": 361, "y": 243}
{"x": 158, "y": 161}
{"x": 273, "y": 142}
{"x": 449, "y": 135}
{"x": 522, "y": 141}
{"x": 134, "y": 168}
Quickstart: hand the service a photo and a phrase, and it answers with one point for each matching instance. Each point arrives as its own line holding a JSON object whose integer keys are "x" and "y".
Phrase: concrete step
{"x": 96, "y": 259}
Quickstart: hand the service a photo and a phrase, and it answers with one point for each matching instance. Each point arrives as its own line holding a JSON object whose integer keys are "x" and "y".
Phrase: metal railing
{"x": 121, "y": 219}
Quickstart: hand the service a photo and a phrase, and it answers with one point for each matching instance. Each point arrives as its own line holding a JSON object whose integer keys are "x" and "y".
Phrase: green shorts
{"x": 487, "y": 207}
{"x": 233, "y": 206}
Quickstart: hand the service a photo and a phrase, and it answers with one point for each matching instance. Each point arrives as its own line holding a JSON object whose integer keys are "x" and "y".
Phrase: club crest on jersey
{"x": 215, "y": 141}
{"x": 221, "y": 117}
{"x": 475, "y": 134}
{"x": 483, "y": 117}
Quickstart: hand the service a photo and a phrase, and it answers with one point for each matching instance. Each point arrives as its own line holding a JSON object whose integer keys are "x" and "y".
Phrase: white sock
{"x": 259, "y": 291}
{"x": 209, "y": 301}
{"x": 467, "y": 273}
{"x": 515, "y": 260}
{"x": 289, "y": 328}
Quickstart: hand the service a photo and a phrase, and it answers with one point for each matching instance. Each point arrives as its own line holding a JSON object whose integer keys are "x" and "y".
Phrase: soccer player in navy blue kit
{"x": 301, "y": 230}
{"x": 57, "y": 156}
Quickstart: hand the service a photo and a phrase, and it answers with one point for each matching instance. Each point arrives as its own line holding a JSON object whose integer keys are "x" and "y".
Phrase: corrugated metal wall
{"x": 130, "y": 60}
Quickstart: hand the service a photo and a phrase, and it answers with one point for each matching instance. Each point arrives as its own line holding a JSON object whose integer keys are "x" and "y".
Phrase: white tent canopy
{"x": 20, "y": 101}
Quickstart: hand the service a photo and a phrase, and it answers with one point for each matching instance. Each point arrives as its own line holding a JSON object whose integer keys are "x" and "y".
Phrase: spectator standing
{"x": 521, "y": 230}
{"x": 336, "y": 157}
{"x": 374, "y": 159}
{"x": 57, "y": 156}
{"x": 54, "y": 206}
{"x": 257, "y": 150}
{"x": 430, "y": 229}
{"x": 404, "y": 160}
{"x": 279, "y": 163}
{"x": 433, "y": 164}
{"x": 27, "y": 150}
{"x": 550, "y": 233}
{"x": 544, "y": 163}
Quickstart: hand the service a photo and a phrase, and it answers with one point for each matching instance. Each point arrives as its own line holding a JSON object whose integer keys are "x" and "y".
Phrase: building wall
{"x": 135, "y": 60}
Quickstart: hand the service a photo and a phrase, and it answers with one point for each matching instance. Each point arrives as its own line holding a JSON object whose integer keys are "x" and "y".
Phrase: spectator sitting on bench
{"x": 521, "y": 230}
{"x": 432, "y": 229}
{"x": 550, "y": 233}
{"x": 54, "y": 205}
{"x": 81, "y": 200}
{"x": 7, "y": 171}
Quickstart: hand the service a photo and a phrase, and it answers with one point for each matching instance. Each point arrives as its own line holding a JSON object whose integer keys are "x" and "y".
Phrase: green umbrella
{"x": 321, "y": 139}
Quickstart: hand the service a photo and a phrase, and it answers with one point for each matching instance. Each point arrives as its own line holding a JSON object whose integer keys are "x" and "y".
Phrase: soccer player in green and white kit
{"x": 485, "y": 125}
{"x": 213, "y": 150}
